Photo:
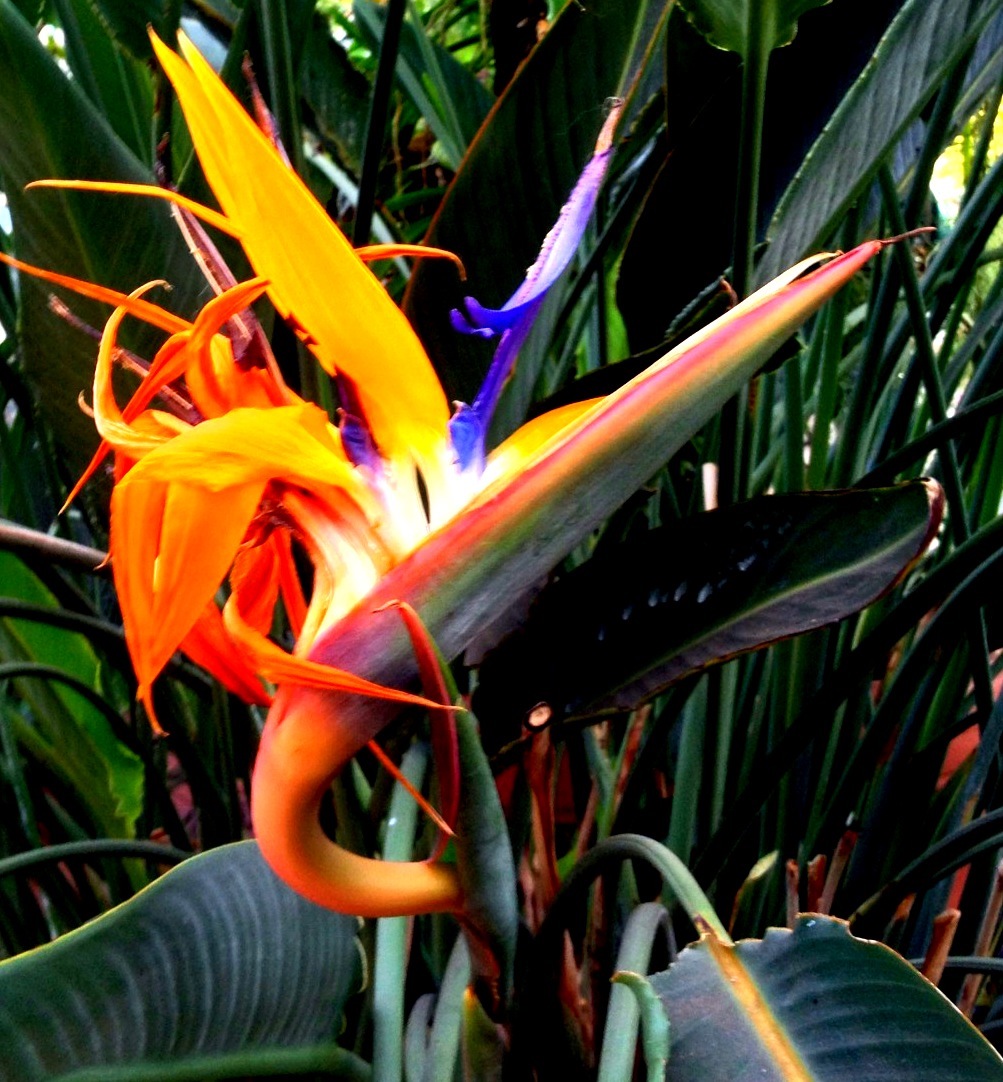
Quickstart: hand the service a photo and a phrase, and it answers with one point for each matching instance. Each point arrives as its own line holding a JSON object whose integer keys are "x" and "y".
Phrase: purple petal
{"x": 559, "y": 247}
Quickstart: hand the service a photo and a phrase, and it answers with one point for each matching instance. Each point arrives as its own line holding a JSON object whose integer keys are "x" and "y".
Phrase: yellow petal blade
{"x": 293, "y": 444}
{"x": 165, "y": 571}
{"x": 510, "y": 456}
{"x": 338, "y": 307}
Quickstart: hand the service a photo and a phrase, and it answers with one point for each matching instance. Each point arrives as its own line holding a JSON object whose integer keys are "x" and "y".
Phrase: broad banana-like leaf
{"x": 813, "y": 1005}
{"x": 625, "y": 625}
{"x": 218, "y": 955}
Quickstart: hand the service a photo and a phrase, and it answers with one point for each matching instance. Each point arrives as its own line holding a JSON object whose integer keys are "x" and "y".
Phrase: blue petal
{"x": 559, "y": 247}
{"x": 468, "y": 426}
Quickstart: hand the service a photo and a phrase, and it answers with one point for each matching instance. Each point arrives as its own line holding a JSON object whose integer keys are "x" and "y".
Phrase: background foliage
{"x": 854, "y": 770}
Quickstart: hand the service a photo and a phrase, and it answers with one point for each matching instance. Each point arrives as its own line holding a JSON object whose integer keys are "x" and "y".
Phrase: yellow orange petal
{"x": 338, "y": 307}
{"x": 165, "y": 571}
{"x": 144, "y": 310}
{"x": 294, "y": 444}
{"x": 209, "y": 216}
{"x": 369, "y": 253}
{"x": 208, "y": 645}
{"x": 511, "y": 455}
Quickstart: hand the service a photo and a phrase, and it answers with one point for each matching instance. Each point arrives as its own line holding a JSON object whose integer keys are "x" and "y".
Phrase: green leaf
{"x": 127, "y": 22}
{"x": 650, "y": 610}
{"x": 485, "y": 865}
{"x": 66, "y": 731}
{"x": 741, "y": 26}
{"x": 443, "y": 91}
{"x": 49, "y": 128}
{"x": 924, "y": 42}
{"x": 119, "y": 86}
{"x": 814, "y": 1004}
{"x": 337, "y": 93}
{"x": 218, "y": 955}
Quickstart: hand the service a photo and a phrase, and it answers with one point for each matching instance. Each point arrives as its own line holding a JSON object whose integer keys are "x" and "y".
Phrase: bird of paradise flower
{"x": 398, "y": 501}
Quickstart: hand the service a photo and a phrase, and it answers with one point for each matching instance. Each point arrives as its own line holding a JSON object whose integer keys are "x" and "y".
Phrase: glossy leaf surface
{"x": 218, "y": 955}
{"x": 814, "y": 1005}
{"x": 622, "y": 627}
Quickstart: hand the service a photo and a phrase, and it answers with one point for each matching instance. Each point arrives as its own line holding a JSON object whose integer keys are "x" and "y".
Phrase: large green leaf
{"x": 634, "y": 619}
{"x": 814, "y": 1004}
{"x": 218, "y": 955}
{"x": 522, "y": 165}
{"x": 119, "y": 86}
{"x": 49, "y": 128}
{"x": 924, "y": 42}
{"x": 747, "y": 25}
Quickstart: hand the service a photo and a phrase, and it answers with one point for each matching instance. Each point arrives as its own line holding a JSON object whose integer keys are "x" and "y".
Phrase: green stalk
{"x": 930, "y": 375}
{"x": 734, "y": 464}
{"x": 376, "y": 125}
{"x": 793, "y": 426}
{"x": 623, "y": 1016}
{"x": 90, "y": 849}
{"x": 390, "y": 964}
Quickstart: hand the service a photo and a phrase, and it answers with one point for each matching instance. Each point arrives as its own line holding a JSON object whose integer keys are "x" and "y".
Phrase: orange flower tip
{"x": 144, "y": 695}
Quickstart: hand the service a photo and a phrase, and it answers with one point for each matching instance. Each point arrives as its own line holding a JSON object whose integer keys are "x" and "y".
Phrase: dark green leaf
{"x": 338, "y": 95}
{"x": 217, "y": 955}
{"x": 119, "y": 86}
{"x": 633, "y": 620}
{"x": 48, "y": 128}
{"x": 739, "y": 27}
{"x": 444, "y": 92}
{"x": 842, "y": 1008}
{"x": 924, "y": 42}
{"x": 485, "y": 864}
{"x": 65, "y": 731}
{"x": 127, "y": 21}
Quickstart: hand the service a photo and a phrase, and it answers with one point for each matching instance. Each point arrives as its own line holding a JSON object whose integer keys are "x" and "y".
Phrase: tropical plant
{"x": 727, "y": 662}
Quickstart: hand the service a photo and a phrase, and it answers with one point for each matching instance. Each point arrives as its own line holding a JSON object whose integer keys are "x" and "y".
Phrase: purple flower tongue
{"x": 468, "y": 427}
{"x": 559, "y": 247}
{"x": 513, "y": 320}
